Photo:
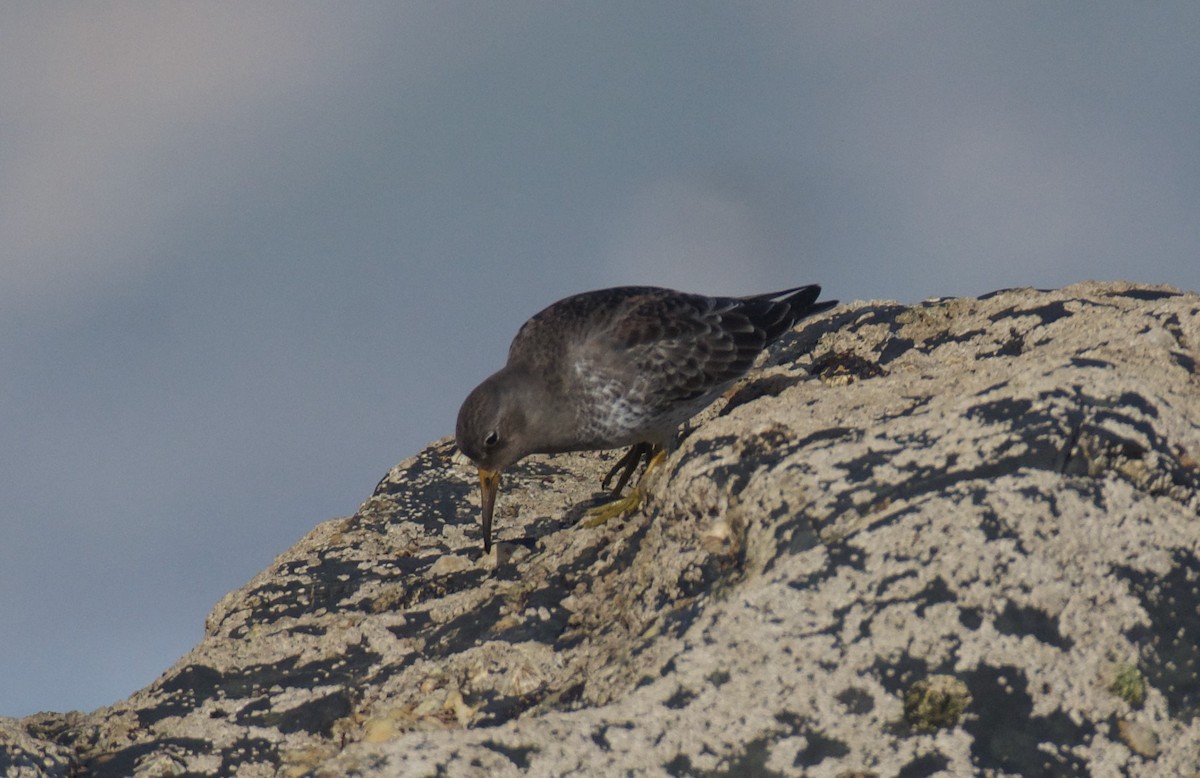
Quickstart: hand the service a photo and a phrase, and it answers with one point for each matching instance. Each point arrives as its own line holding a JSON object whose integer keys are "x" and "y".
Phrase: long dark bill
{"x": 489, "y": 484}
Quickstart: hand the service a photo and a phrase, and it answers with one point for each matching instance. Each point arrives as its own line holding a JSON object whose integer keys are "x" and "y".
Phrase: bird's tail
{"x": 778, "y": 312}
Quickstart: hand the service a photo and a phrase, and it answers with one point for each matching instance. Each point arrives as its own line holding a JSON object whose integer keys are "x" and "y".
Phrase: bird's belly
{"x": 619, "y": 420}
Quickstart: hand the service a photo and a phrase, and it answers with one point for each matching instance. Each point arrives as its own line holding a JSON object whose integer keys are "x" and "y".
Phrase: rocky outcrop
{"x": 956, "y": 537}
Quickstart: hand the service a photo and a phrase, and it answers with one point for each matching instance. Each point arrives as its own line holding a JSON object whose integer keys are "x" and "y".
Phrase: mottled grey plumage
{"x": 617, "y": 367}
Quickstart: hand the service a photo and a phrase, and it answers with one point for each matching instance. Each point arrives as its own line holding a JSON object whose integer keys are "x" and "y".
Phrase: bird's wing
{"x": 691, "y": 345}
{"x": 556, "y": 327}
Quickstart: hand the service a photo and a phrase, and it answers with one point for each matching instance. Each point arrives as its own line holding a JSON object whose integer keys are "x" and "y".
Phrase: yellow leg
{"x": 626, "y": 465}
{"x": 594, "y": 517}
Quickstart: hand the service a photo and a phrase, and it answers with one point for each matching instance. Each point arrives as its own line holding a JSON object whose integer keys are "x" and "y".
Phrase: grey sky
{"x": 252, "y": 255}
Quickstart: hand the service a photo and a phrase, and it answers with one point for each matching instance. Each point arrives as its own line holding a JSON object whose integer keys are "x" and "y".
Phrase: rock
{"x": 28, "y": 750}
{"x": 994, "y": 497}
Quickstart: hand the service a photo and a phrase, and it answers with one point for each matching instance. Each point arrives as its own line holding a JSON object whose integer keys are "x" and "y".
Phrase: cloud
{"x": 695, "y": 235}
{"x": 109, "y": 108}
{"x": 121, "y": 120}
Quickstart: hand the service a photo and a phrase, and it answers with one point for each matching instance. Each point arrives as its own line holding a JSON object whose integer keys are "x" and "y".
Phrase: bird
{"x": 616, "y": 367}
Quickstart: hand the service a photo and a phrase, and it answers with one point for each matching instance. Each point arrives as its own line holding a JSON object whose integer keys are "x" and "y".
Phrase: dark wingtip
{"x": 779, "y": 311}
{"x": 820, "y": 307}
{"x": 802, "y": 301}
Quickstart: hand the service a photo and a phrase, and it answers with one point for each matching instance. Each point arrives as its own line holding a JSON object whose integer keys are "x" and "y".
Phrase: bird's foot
{"x": 594, "y": 517}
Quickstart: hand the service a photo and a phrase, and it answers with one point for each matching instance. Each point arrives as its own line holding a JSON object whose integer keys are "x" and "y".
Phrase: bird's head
{"x": 490, "y": 425}
{"x": 489, "y": 431}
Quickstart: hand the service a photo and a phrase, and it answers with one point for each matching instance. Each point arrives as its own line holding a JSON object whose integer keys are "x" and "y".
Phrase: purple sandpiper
{"x": 617, "y": 367}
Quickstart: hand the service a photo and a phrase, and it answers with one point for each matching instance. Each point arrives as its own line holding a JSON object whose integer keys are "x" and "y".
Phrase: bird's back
{"x": 638, "y": 361}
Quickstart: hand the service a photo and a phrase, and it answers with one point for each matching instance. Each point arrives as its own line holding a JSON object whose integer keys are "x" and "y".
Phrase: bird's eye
{"x": 492, "y": 439}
